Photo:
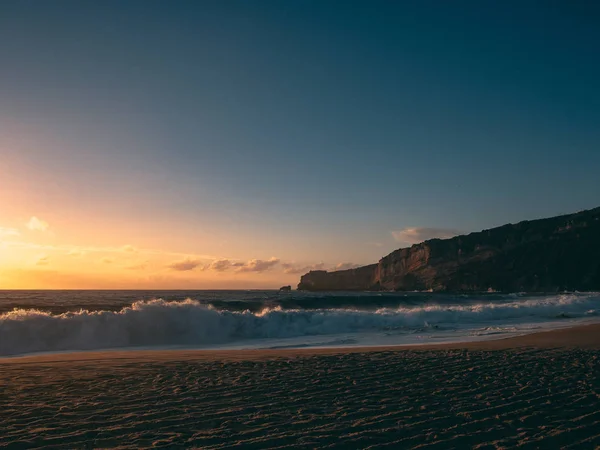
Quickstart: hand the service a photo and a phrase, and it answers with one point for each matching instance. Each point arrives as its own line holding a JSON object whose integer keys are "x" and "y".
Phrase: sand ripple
{"x": 405, "y": 399}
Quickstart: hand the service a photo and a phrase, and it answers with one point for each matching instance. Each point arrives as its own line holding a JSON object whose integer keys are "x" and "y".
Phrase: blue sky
{"x": 306, "y": 129}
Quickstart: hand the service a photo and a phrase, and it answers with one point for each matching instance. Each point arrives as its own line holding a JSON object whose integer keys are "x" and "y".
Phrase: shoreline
{"x": 579, "y": 336}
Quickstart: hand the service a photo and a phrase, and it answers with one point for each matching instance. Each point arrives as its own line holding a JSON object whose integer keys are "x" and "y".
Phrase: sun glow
{"x": 36, "y": 256}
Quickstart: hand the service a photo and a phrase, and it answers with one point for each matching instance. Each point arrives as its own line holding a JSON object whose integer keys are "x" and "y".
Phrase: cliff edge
{"x": 545, "y": 255}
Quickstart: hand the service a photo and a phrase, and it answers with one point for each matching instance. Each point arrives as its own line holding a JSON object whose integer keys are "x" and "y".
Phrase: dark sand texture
{"x": 470, "y": 397}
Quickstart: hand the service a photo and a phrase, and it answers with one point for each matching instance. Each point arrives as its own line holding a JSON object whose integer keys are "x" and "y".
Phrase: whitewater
{"x": 58, "y": 321}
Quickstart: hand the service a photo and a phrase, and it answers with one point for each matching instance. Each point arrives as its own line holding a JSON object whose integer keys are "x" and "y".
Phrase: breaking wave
{"x": 162, "y": 323}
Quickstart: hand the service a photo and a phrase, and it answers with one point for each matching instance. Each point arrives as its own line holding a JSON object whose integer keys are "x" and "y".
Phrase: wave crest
{"x": 162, "y": 323}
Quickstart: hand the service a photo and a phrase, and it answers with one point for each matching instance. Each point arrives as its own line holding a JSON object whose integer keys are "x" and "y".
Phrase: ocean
{"x": 65, "y": 321}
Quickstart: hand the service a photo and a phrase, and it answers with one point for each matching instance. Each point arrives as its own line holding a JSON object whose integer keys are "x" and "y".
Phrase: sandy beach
{"x": 535, "y": 391}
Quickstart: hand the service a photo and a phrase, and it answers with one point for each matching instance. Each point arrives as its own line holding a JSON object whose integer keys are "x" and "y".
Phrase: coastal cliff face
{"x": 546, "y": 255}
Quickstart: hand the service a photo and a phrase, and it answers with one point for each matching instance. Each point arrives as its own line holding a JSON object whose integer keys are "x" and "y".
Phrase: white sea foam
{"x": 161, "y": 323}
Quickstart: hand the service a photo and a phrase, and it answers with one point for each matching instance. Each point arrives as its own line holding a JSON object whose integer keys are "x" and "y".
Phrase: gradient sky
{"x": 235, "y": 144}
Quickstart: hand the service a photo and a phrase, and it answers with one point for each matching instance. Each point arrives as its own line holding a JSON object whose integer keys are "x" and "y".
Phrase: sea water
{"x": 58, "y": 321}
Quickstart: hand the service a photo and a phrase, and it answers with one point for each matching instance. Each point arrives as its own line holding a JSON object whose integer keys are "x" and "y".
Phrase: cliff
{"x": 545, "y": 255}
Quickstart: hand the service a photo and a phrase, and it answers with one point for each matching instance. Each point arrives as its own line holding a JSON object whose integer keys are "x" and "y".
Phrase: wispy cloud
{"x": 107, "y": 260}
{"x": 420, "y": 234}
{"x": 292, "y": 268}
{"x": 35, "y": 224}
{"x": 7, "y": 232}
{"x": 76, "y": 252}
{"x": 43, "y": 261}
{"x": 185, "y": 264}
{"x": 143, "y": 265}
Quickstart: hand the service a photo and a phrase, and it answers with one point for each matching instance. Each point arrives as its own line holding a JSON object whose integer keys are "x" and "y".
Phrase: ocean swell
{"x": 162, "y": 323}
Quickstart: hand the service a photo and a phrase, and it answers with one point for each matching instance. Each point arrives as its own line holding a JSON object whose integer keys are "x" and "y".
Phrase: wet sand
{"x": 535, "y": 391}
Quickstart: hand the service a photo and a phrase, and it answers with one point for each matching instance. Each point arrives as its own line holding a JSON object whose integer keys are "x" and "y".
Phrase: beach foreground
{"x": 535, "y": 391}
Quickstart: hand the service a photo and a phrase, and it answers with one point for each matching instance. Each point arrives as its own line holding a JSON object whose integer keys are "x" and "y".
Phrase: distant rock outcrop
{"x": 545, "y": 255}
{"x": 285, "y": 288}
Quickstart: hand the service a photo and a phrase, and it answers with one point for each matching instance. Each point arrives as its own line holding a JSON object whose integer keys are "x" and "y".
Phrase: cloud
{"x": 35, "y": 224}
{"x": 254, "y": 265}
{"x": 42, "y": 261}
{"x": 258, "y": 265}
{"x": 5, "y": 232}
{"x": 221, "y": 265}
{"x": 138, "y": 266}
{"x": 107, "y": 260}
{"x": 129, "y": 249}
{"x": 346, "y": 266}
{"x": 185, "y": 264}
{"x": 420, "y": 234}
{"x": 76, "y": 252}
{"x": 291, "y": 268}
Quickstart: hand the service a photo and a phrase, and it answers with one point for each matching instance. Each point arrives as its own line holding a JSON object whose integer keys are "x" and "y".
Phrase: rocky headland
{"x": 545, "y": 255}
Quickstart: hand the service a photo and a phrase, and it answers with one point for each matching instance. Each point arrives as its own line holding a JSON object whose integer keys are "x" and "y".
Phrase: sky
{"x": 234, "y": 144}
